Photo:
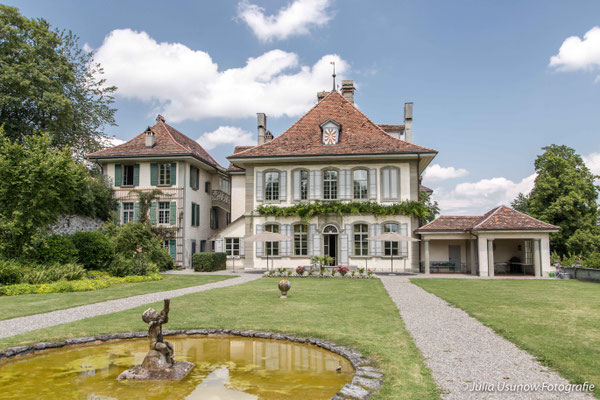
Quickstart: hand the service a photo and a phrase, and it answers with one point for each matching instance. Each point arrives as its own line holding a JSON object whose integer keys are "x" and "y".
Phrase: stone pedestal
{"x": 156, "y": 367}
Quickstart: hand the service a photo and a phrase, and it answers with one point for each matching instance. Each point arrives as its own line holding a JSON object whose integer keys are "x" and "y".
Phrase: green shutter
{"x": 173, "y": 213}
{"x": 136, "y": 211}
{"x": 153, "y": 212}
{"x": 174, "y": 174}
{"x": 193, "y": 214}
{"x": 153, "y": 174}
{"x": 118, "y": 175}
{"x": 136, "y": 174}
{"x": 173, "y": 249}
{"x": 118, "y": 211}
{"x": 197, "y": 214}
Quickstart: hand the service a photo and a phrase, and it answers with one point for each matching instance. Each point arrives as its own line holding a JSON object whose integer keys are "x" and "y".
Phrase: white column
{"x": 472, "y": 244}
{"x": 426, "y": 250}
{"x": 537, "y": 265}
{"x": 483, "y": 256}
{"x": 490, "y": 246}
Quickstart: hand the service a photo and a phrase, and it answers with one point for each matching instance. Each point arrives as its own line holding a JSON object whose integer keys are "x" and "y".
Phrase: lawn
{"x": 29, "y": 304}
{"x": 352, "y": 312}
{"x": 556, "y": 321}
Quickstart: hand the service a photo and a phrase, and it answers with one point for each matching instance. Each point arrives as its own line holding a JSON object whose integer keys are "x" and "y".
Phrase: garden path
{"x": 16, "y": 326}
{"x": 461, "y": 352}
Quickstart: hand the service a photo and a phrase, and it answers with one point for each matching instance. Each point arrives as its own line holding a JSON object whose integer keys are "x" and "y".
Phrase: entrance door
{"x": 330, "y": 238}
{"x": 454, "y": 257}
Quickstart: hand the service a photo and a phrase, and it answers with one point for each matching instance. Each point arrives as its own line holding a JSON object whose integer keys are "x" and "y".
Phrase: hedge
{"x": 207, "y": 262}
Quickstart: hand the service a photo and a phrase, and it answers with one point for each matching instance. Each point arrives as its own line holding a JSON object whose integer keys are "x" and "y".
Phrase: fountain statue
{"x": 158, "y": 363}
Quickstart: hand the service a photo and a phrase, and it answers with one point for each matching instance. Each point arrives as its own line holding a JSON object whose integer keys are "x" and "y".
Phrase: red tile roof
{"x": 167, "y": 141}
{"x": 391, "y": 127}
{"x": 358, "y": 135}
{"x": 423, "y": 188}
{"x": 497, "y": 219}
{"x": 232, "y": 167}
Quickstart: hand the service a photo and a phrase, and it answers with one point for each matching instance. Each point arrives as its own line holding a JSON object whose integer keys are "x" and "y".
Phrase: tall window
{"x": 194, "y": 178}
{"x": 303, "y": 185}
{"x": 164, "y": 174}
{"x": 127, "y": 175}
{"x": 232, "y": 246}
{"x": 390, "y": 248}
{"x": 330, "y": 184}
{"x": 214, "y": 218}
{"x": 127, "y": 212}
{"x": 272, "y": 248}
{"x": 195, "y": 214}
{"x": 164, "y": 211}
{"x": 300, "y": 240}
{"x": 272, "y": 186}
{"x": 528, "y": 252}
{"x": 361, "y": 184}
{"x": 361, "y": 240}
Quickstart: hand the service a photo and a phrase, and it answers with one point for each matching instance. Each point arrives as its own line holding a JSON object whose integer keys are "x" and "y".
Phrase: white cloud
{"x": 436, "y": 173}
{"x": 576, "y": 54}
{"x": 226, "y": 135}
{"x": 182, "y": 83}
{"x": 592, "y": 161}
{"x": 293, "y": 20}
{"x": 112, "y": 141}
{"x": 476, "y": 198}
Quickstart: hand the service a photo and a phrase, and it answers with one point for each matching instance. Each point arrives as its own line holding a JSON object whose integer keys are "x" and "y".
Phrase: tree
{"x": 565, "y": 195}
{"x": 431, "y": 205}
{"x": 146, "y": 199}
{"x": 49, "y": 84}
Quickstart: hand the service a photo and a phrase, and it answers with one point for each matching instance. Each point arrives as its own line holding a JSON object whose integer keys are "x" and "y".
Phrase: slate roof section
{"x": 501, "y": 218}
{"x": 167, "y": 141}
{"x": 358, "y": 135}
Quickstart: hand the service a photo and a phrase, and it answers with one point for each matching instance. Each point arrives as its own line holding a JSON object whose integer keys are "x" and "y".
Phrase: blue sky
{"x": 479, "y": 73}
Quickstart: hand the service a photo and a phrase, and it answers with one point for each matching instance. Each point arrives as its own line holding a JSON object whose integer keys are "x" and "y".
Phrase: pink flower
{"x": 139, "y": 249}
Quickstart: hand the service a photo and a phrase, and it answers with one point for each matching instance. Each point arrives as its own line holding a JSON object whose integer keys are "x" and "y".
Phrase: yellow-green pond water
{"x": 227, "y": 368}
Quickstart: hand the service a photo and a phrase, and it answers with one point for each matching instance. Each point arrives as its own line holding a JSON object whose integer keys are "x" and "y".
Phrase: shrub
{"x": 121, "y": 266}
{"x": 11, "y": 272}
{"x": 592, "y": 261}
{"x": 342, "y": 270}
{"x": 96, "y": 251}
{"x": 52, "y": 249}
{"x": 51, "y": 273}
{"x": 207, "y": 262}
{"x": 162, "y": 259}
{"x": 130, "y": 237}
{"x": 300, "y": 270}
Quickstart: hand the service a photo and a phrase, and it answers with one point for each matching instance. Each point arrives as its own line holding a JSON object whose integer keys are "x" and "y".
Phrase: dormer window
{"x": 331, "y": 132}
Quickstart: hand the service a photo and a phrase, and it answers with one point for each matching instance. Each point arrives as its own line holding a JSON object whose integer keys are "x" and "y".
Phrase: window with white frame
{"x": 272, "y": 248}
{"x": 164, "y": 174}
{"x": 361, "y": 240}
{"x": 164, "y": 212}
{"x": 303, "y": 185}
{"x": 224, "y": 185}
{"x": 300, "y": 240}
{"x": 390, "y": 248}
{"x": 272, "y": 186}
{"x": 128, "y": 213}
{"x": 128, "y": 174}
{"x": 330, "y": 184}
{"x": 232, "y": 246}
{"x": 360, "y": 178}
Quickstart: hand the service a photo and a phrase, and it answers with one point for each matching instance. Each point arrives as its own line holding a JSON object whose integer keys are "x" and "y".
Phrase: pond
{"x": 227, "y": 367}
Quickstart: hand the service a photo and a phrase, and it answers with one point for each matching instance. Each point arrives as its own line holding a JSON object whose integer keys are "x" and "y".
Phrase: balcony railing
{"x": 221, "y": 199}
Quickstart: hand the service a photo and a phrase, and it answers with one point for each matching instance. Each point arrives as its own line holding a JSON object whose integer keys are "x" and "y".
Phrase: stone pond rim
{"x": 367, "y": 378}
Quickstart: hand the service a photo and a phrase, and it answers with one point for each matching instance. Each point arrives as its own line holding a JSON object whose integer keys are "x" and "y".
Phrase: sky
{"x": 492, "y": 81}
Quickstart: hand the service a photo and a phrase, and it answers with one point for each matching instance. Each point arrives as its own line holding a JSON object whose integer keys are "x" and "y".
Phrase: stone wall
{"x": 69, "y": 224}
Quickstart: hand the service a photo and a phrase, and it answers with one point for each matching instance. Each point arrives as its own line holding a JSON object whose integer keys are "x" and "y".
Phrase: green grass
{"x": 556, "y": 321}
{"x": 352, "y": 312}
{"x": 29, "y": 304}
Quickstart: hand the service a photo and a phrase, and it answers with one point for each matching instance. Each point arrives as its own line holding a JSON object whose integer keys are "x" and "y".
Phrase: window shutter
{"x": 242, "y": 247}
{"x": 372, "y": 184}
{"x": 173, "y": 249}
{"x": 118, "y": 211}
{"x": 348, "y": 184}
{"x": 296, "y": 185}
{"x": 153, "y": 212}
{"x": 153, "y": 174}
{"x": 192, "y": 178}
{"x": 378, "y": 243}
{"x": 197, "y": 214}
{"x": 219, "y": 246}
{"x": 259, "y": 245}
{"x": 283, "y": 186}
{"x": 136, "y": 211}
{"x": 173, "y": 213}
{"x": 193, "y": 214}
{"x": 385, "y": 183}
{"x": 287, "y": 244}
{"x": 259, "y": 186}
{"x": 311, "y": 185}
{"x": 314, "y": 240}
{"x": 317, "y": 180}
{"x": 344, "y": 249}
{"x": 342, "y": 185}
{"x": 118, "y": 175}
{"x": 136, "y": 174}
{"x": 394, "y": 183}
{"x": 174, "y": 174}
{"x": 197, "y": 174}
{"x": 404, "y": 243}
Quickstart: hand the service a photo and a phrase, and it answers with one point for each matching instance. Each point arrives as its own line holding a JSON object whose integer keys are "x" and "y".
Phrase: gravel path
{"x": 16, "y": 326}
{"x": 461, "y": 352}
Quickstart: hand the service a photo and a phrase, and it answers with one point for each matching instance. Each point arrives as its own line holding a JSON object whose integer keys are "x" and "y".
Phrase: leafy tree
{"x": 94, "y": 198}
{"x": 49, "y": 84}
{"x": 432, "y": 207}
{"x": 564, "y": 195}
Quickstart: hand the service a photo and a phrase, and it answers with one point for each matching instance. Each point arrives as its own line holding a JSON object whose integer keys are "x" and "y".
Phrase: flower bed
{"x": 336, "y": 272}
{"x": 97, "y": 281}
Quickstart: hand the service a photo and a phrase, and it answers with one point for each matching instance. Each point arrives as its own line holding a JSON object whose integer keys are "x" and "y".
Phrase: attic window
{"x": 331, "y": 132}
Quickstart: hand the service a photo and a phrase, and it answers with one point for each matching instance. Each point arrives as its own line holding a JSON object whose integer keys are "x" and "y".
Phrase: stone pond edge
{"x": 367, "y": 379}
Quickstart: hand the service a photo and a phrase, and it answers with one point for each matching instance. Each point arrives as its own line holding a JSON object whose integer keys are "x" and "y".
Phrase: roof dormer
{"x": 331, "y": 132}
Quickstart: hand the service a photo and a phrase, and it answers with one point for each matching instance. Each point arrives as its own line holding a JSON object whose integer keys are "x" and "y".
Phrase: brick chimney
{"x": 348, "y": 90}
{"x": 262, "y": 127}
{"x": 408, "y": 116}
{"x": 321, "y": 95}
{"x": 150, "y": 139}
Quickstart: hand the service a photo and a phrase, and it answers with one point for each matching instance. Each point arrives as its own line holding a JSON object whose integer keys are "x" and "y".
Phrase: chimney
{"x": 149, "y": 138}
{"x": 321, "y": 95}
{"x": 160, "y": 118}
{"x": 408, "y": 111}
{"x": 348, "y": 90}
{"x": 262, "y": 127}
{"x": 268, "y": 136}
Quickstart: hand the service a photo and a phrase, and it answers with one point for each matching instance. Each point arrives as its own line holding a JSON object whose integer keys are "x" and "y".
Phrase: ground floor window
{"x": 127, "y": 212}
{"x": 165, "y": 244}
{"x": 390, "y": 248}
{"x": 164, "y": 211}
{"x": 232, "y": 246}
{"x": 361, "y": 240}
{"x": 528, "y": 252}
{"x": 272, "y": 248}
{"x": 300, "y": 240}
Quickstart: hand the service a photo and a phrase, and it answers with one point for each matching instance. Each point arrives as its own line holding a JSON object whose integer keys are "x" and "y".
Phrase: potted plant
{"x": 300, "y": 270}
{"x": 342, "y": 270}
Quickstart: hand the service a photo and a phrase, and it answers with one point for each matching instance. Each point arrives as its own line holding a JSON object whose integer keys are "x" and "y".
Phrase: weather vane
{"x": 333, "y": 63}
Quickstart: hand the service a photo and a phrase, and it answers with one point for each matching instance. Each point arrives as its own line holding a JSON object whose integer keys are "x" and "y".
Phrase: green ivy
{"x": 307, "y": 210}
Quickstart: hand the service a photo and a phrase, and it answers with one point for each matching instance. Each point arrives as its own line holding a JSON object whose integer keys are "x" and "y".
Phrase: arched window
{"x": 300, "y": 240}
{"x": 272, "y": 186}
{"x": 330, "y": 184}
{"x": 272, "y": 248}
{"x": 360, "y": 179}
{"x": 361, "y": 240}
{"x": 390, "y": 248}
{"x": 330, "y": 230}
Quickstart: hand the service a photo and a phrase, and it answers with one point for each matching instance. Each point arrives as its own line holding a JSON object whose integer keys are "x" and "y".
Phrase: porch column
{"x": 490, "y": 244}
{"x": 473, "y": 243}
{"x": 537, "y": 265}
{"x": 426, "y": 250}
